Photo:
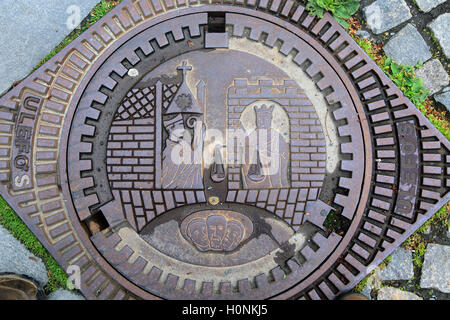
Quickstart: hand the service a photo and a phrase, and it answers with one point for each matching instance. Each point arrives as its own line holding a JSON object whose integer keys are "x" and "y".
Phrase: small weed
{"x": 342, "y": 10}
{"x": 336, "y": 223}
{"x": 331, "y": 221}
{"x": 404, "y": 77}
{"x": 385, "y": 262}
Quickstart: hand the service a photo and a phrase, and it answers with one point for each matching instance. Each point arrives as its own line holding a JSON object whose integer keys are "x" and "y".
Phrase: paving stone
{"x": 433, "y": 75}
{"x": 30, "y": 30}
{"x": 428, "y": 5}
{"x": 444, "y": 98}
{"x": 383, "y": 15}
{"x": 62, "y": 294}
{"x": 16, "y": 259}
{"x": 436, "y": 268}
{"x": 400, "y": 267}
{"x": 408, "y": 47}
{"x": 441, "y": 31}
{"x": 390, "y": 293}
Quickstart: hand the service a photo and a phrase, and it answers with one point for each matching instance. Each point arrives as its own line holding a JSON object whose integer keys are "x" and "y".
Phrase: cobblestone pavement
{"x": 414, "y": 32}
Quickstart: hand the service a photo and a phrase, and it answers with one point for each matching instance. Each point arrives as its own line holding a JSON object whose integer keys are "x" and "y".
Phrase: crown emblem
{"x": 264, "y": 110}
{"x": 216, "y": 231}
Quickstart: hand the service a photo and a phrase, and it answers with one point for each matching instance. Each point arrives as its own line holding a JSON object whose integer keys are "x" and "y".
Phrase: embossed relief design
{"x": 182, "y": 154}
{"x": 283, "y": 111}
{"x": 266, "y": 152}
{"x": 49, "y": 124}
{"x": 151, "y": 124}
{"x": 156, "y": 147}
{"x": 216, "y": 230}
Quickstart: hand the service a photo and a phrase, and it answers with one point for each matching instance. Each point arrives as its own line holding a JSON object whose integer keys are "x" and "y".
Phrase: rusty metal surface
{"x": 86, "y": 138}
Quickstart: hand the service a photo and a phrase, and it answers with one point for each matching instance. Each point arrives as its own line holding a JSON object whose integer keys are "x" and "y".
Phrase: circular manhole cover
{"x": 219, "y": 151}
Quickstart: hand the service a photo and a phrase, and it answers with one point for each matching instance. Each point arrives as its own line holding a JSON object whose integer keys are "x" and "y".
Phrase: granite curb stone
{"x": 444, "y": 98}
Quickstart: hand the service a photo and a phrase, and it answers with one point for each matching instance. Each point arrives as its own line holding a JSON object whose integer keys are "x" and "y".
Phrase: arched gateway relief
{"x": 86, "y": 159}
{"x": 271, "y": 134}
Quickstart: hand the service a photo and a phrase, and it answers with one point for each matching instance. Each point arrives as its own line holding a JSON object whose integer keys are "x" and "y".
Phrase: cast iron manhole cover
{"x": 218, "y": 151}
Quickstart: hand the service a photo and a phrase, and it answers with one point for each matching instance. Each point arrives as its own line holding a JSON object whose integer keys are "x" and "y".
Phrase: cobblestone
{"x": 436, "y": 268}
{"x": 408, "y": 47}
{"x": 390, "y": 293}
{"x": 433, "y": 75}
{"x": 383, "y": 15}
{"x": 428, "y": 5}
{"x": 441, "y": 31}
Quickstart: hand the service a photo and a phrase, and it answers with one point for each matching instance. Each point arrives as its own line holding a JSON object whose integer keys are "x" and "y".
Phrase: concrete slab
{"x": 31, "y": 29}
